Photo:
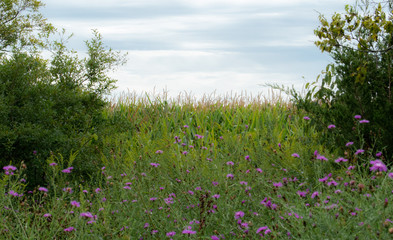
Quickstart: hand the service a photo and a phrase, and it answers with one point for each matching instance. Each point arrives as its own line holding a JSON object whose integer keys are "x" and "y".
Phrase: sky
{"x": 202, "y": 46}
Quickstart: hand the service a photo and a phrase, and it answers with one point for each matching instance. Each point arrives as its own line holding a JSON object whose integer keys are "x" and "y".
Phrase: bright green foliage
{"x": 359, "y": 82}
{"x": 21, "y": 25}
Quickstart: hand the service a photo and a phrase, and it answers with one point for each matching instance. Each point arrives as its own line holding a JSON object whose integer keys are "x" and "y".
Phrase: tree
{"x": 360, "y": 41}
{"x": 21, "y": 25}
{"x": 50, "y": 106}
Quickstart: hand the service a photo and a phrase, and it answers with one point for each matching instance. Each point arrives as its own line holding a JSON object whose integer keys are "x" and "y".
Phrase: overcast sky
{"x": 201, "y": 46}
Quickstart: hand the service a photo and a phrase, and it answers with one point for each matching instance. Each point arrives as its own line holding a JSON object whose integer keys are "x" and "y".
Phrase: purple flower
{"x": 70, "y": 229}
{"x": 358, "y": 117}
{"x": 301, "y": 194}
{"x": 348, "y": 144}
{"x": 159, "y": 151}
{"x": 67, "y": 170}
{"x": 359, "y": 151}
{"x": 243, "y": 183}
{"x": 331, "y": 126}
{"x": 47, "y": 215}
{"x": 390, "y": 175}
{"x": 378, "y": 165}
{"x": 9, "y": 168}
{"x": 295, "y": 155}
{"x": 279, "y": 184}
{"x": 86, "y": 215}
{"x": 364, "y": 121}
{"x": 314, "y": 194}
{"x": 171, "y": 234}
{"x": 322, "y": 158}
{"x": 306, "y": 118}
{"x": 265, "y": 229}
{"x": 230, "y": 176}
{"x": 239, "y": 214}
{"x": 52, "y": 164}
{"x": 216, "y": 196}
{"x": 155, "y": 164}
{"x": 214, "y": 237}
{"x": 259, "y": 170}
{"x": 341, "y": 159}
{"x": 75, "y": 204}
{"x": 153, "y": 199}
{"x": 42, "y": 189}
{"x": 378, "y": 154}
{"x": 247, "y": 158}
{"x": 230, "y": 163}
{"x": 13, "y": 193}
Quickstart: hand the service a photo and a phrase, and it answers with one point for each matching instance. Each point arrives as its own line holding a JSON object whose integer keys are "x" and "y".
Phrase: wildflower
{"x": 13, "y": 193}
{"x": 351, "y": 167}
{"x": 159, "y": 151}
{"x": 75, "y": 204}
{"x": 9, "y": 170}
{"x": 171, "y": 234}
{"x": 295, "y": 155}
{"x": 323, "y": 179}
{"x": 315, "y": 194}
{"x": 247, "y": 158}
{"x": 322, "y": 158}
{"x": 185, "y": 153}
{"x": 216, "y": 196}
{"x": 331, "y": 126}
{"x": 155, "y": 164}
{"x": 301, "y": 194}
{"x": 378, "y": 165}
{"x": 47, "y": 215}
{"x": 215, "y": 183}
{"x": 306, "y": 118}
{"x": 153, "y": 199}
{"x": 188, "y": 231}
{"x": 97, "y": 190}
{"x": 348, "y": 144}
{"x": 359, "y": 151}
{"x": 70, "y": 229}
{"x": 86, "y": 215}
{"x": 378, "y": 154}
{"x": 364, "y": 121}
{"x": 243, "y": 183}
{"x": 341, "y": 159}
{"x": 239, "y": 214}
{"x": 230, "y": 163}
{"x": 358, "y": 117}
{"x": 259, "y": 170}
{"x": 52, "y": 164}
{"x": 186, "y": 126}
{"x": 127, "y": 187}
{"x": 42, "y": 189}
{"x": 390, "y": 175}
{"x": 214, "y": 237}
{"x": 265, "y": 229}
{"x": 334, "y": 183}
{"x": 67, "y": 170}
{"x": 230, "y": 176}
{"x": 279, "y": 184}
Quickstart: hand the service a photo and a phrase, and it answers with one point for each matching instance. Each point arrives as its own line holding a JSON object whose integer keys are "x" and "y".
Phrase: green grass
{"x": 166, "y": 170}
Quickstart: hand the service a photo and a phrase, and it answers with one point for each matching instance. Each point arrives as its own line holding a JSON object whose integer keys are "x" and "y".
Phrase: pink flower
{"x": 230, "y": 176}
{"x": 239, "y": 214}
{"x": 331, "y": 126}
{"x": 70, "y": 229}
{"x": 13, "y": 193}
{"x": 47, "y": 215}
{"x": 230, "y": 163}
{"x": 348, "y": 144}
{"x": 67, "y": 170}
{"x": 314, "y": 194}
{"x": 52, "y": 164}
{"x": 75, "y": 204}
{"x": 358, "y": 117}
{"x": 364, "y": 121}
{"x": 42, "y": 189}
{"x": 390, "y": 175}
{"x": 359, "y": 151}
{"x": 378, "y": 165}
{"x": 295, "y": 155}
{"x": 306, "y": 118}
{"x": 279, "y": 184}
{"x": 86, "y": 215}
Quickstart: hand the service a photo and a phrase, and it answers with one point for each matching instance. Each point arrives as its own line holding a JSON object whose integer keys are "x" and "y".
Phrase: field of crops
{"x": 234, "y": 167}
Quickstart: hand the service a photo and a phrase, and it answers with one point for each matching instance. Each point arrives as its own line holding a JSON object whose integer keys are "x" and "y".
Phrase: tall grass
{"x": 228, "y": 167}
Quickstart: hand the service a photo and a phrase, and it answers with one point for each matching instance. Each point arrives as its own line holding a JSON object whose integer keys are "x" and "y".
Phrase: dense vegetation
{"x": 76, "y": 166}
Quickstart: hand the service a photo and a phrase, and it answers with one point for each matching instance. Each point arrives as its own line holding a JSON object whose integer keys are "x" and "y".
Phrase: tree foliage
{"x": 49, "y": 106}
{"x": 360, "y": 79}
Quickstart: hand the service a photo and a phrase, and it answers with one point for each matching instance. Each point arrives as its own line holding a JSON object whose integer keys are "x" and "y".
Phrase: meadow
{"x": 235, "y": 167}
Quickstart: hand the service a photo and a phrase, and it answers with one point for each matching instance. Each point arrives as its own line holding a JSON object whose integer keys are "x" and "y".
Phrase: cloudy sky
{"x": 201, "y": 46}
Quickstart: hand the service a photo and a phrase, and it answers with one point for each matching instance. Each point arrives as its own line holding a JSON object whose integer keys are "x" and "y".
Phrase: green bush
{"x": 359, "y": 82}
{"x": 54, "y": 107}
